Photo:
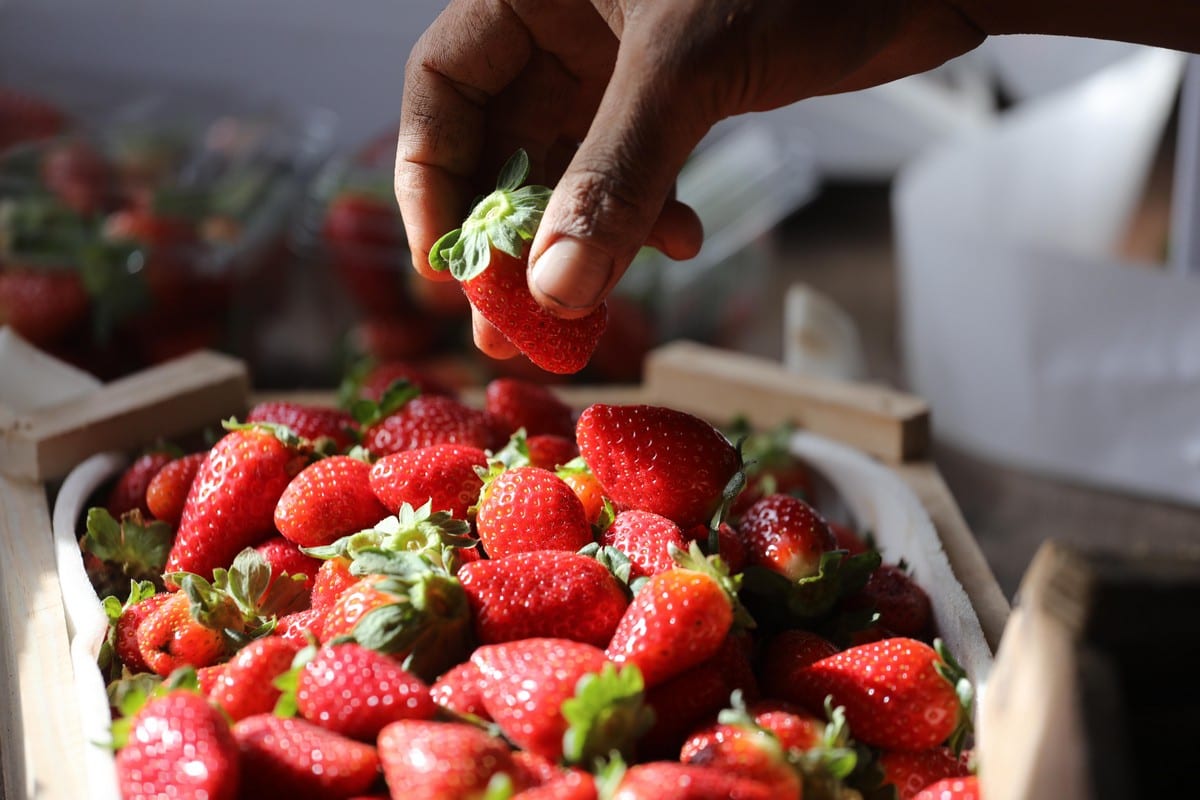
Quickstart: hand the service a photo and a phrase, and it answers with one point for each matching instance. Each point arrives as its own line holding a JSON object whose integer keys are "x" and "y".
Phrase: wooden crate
{"x": 37, "y": 707}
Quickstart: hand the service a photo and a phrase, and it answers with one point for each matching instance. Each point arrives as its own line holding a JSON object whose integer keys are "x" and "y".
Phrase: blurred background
{"x": 1008, "y": 236}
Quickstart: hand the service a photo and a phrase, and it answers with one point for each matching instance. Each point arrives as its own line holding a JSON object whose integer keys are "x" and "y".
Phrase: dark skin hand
{"x": 609, "y": 97}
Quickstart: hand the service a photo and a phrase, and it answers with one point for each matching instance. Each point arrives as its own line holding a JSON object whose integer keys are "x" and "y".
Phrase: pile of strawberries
{"x": 416, "y": 598}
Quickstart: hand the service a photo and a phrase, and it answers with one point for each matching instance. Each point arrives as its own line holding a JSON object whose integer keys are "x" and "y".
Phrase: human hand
{"x": 609, "y": 98}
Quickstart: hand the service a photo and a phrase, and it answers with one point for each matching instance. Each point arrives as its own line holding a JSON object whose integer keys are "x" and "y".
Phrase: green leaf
{"x": 505, "y": 238}
{"x": 606, "y": 714}
{"x": 137, "y": 547}
{"x": 471, "y": 256}
{"x": 439, "y": 254}
{"x": 514, "y": 172}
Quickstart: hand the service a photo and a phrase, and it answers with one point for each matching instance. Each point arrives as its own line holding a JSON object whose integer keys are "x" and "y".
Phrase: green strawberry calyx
{"x": 714, "y": 566}
{"x": 138, "y": 547}
{"x": 835, "y": 761}
{"x": 432, "y": 536}
{"x": 956, "y": 676}
{"x": 288, "y": 682}
{"x": 505, "y": 220}
{"x": 606, "y": 714}
{"x": 114, "y": 608}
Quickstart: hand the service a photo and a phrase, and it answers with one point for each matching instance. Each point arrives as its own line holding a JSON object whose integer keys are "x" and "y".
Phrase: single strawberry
{"x": 786, "y": 655}
{"x": 364, "y": 239}
{"x": 439, "y": 760}
{"x": 286, "y": 558}
{"x": 563, "y": 784}
{"x": 129, "y": 492}
{"x": 167, "y": 491}
{"x": 795, "y": 728}
{"x": 658, "y": 459}
{"x": 912, "y": 772}
{"x": 301, "y": 627}
{"x": 966, "y": 788}
{"x": 178, "y": 746}
{"x": 898, "y": 694}
{"x": 296, "y": 759}
{"x": 738, "y": 745}
{"x": 244, "y": 688}
{"x": 656, "y": 780}
{"x": 42, "y": 305}
{"x": 549, "y": 451}
{"x": 488, "y": 254}
{"x": 678, "y": 618}
{"x": 231, "y": 504}
{"x": 903, "y": 606}
{"x": 130, "y": 549}
{"x": 207, "y": 677}
{"x": 561, "y": 699}
{"x": 576, "y": 474}
{"x": 444, "y": 474}
{"x": 528, "y": 508}
{"x": 785, "y": 534}
{"x": 171, "y": 637}
{"x": 524, "y": 405}
{"x": 370, "y": 381}
{"x": 543, "y": 593}
{"x": 460, "y": 690}
{"x": 333, "y": 578}
{"x": 355, "y": 691}
{"x": 645, "y": 538}
{"x": 428, "y": 420}
{"x": 124, "y": 620}
{"x": 310, "y": 422}
{"x": 328, "y": 499}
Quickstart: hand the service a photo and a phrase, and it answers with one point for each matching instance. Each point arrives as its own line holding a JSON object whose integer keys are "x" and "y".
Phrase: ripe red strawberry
{"x": 42, "y": 305}
{"x": 656, "y": 780}
{"x": 129, "y": 492}
{"x": 787, "y": 654}
{"x": 739, "y": 746}
{"x": 528, "y": 508}
{"x": 899, "y": 694}
{"x": 848, "y": 539}
{"x": 543, "y": 593}
{"x": 677, "y": 619}
{"x": 952, "y": 789}
{"x": 301, "y": 627}
{"x": 285, "y": 558}
{"x": 444, "y": 474}
{"x": 307, "y": 421}
{"x": 522, "y": 404}
{"x": 129, "y": 619}
{"x": 428, "y": 420}
{"x": 536, "y": 691}
{"x": 770, "y": 467}
{"x": 231, "y": 504}
{"x": 646, "y": 538}
{"x": 207, "y": 677}
{"x": 904, "y": 607}
{"x": 657, "y": 459}
{"x": 351, "y": 690}
{"x": 437, "y": 760}
{"x": 297, "y": 759}
{"x": 795, "y": 728}
{"x": 178, "y": 746}
{"x": 554, "y": 783}
{"x": 329, "y": 499}
{"x": 167, "y": 491}
{"x": 460, "y": 690}
{"x": 488, "y": 257}
{"x": 785, "y": 534}
{"x": 550, "y": 452}
{"x": 246, "y": 686}
{"x": 912, "y": 772}
{"x": 171, "y": 637}
{"x": 333, "y": 578}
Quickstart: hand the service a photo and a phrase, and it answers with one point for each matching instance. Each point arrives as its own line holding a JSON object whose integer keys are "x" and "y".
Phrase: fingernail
{"x": 572, "y": 274}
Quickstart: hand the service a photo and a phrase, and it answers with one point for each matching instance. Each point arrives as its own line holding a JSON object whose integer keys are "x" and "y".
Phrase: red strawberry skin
{"x": 657, "y": 459}
{"x": 351, "y": 690}
{"x": 644, "y": 537}
{"x": 329, "y": 499}
{"x": 460, "y": 690}
{"x": 442, "y": 473}
{"x": 42, "y": 305}
{"x": 440, "y": 760}
{"x": 231, "y": 504}
{"x": 952, "y": 789}
{"x": 787, "y": 654}
{"x": 904, "y": 607}
{"x": 522, "y": 404}
{"x": 301, "y": 627}
{"x": 549, "y": 451}
{"x": 297, "y": 759}
{"x": 244, "y": 688}
{"x": 543, "y": 593}
{"x": 130, "y": 490}
{"x": 744, "y": 751}
{"x": 894, "y": 697}
{"x": 524, "y": 685}
{"x": 130, "y": 620}
{"x": 285, "y": 558}
{"x": 562, "y": 346}
{"x": 912, "y": 772}
{"x": 179, "y": 746}
{"x": 677, "y": 619}
{"x": 527, "y": 509}
{"x": 307, "y": 421}
{"x": 785, "y": 534}
{"x": 170, "y": 637}
{"x": 167, "y": 492}
{"x": 657, "y": 780}
{"x": 431, "y": 419}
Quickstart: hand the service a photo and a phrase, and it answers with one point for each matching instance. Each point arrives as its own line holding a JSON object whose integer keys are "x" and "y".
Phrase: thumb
{"x": 616, "y": 193}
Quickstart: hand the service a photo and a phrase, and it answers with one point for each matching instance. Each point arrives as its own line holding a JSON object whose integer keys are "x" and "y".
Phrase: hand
{"x": 609, "y": 98}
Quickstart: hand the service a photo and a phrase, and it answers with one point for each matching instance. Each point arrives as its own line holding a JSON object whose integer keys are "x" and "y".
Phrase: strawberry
{"x": 371, "y": 381}
{"x": 365, "y": 240}
{"x": 351, "y": 690}
{"x": 428, "y": 420}
{"x": 445, "y": 474}
{"x": 125, "y": 619}
{"x": 244, "y": 688}
{"x": 786, "y": 655}
{"x": 770, "y": 467}
{"x": 912, "y": 772}
{"x": 528, "y": 508}
{"x": 329, "y": 499}
{"x": 129, "y": 492}
{"x": 333, "y": 577}
{"x": 549, "y": 451}
{"x": 738, "y": 745}
{"x": 729, "y": 545}
{"x": 460, "y": 689}
{"x": 167, "y": 491}
{"x": 131, "y": 549}
{"x": 440, "y": 760}
{"x": 645, "y": 538}
{"x": 297, "y": 759}
{"x": 903, "y": 606}
{"x": 899, "y": 694}
{"x": 677, "y": 619}
{"x": 78, "y": 174}
{"x": 285, "y": 558}
{"x": 42, "y": 305}
{"x": 171, "y": 637}
{"x": 178, "y": 746}
{"x": 658, "y": 459}
{"x": 785, "y": 534}
{"x": 576, "y": 474}
{"x": 848, "y": 539}
{"x": 301, "y": 627}
{"x": 521, "y": 404}
{"x": 488, "y": 256}
{"x": 310, "y": 422}
{"x": 966, "y": 788}
{"x": 795, "y": 728}
{"x": 656, "y": 780}
{"x": 561, "y": 699}
{"x": 231, "y": 504}
{"x": 543, "y": 593}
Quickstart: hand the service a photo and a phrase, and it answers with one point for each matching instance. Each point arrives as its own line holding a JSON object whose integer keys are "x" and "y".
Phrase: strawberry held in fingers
{"x": 488, "y": 256}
